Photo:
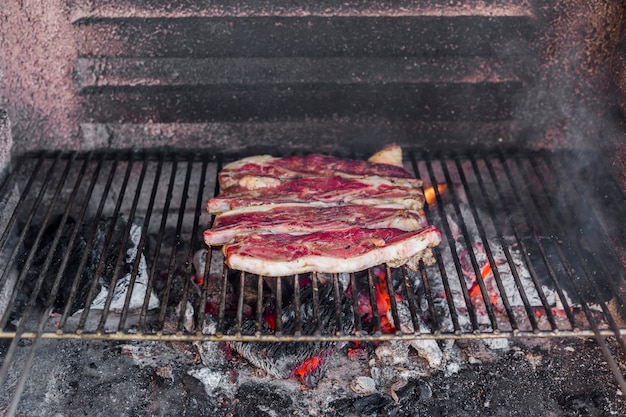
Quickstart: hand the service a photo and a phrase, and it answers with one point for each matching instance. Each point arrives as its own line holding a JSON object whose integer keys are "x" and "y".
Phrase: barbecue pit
{"x": 524, "y": 164}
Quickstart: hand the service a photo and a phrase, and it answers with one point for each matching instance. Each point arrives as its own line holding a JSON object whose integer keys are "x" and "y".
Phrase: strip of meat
{"x": 305, "y": 218}
{"x": 312, "y": 165}
{"x": 373, "y": 191}
{"x": 347, "y": 250}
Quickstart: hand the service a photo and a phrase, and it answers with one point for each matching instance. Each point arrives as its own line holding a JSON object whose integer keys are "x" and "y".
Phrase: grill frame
{"x": 92, "y": 172}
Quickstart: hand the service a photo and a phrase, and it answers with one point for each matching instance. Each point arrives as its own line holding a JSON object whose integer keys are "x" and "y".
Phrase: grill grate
{"x": 528, "y": 249}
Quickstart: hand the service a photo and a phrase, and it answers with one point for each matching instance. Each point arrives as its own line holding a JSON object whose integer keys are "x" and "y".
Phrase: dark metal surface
{"x": 549, "y": 259}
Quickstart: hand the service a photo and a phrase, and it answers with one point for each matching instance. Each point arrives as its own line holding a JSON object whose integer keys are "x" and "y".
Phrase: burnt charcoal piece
{"x": 375, "y": 405}
{"x": 305, "y": 360}
{"x": 76, "y": 252}
{"x": 251, "y": 397}
{"x": 415, "y": 389}
{"x": 585, "y": 404}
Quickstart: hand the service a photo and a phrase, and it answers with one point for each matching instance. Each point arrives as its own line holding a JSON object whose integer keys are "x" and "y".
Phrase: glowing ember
{"x": 269, "y": 317}
{"x": 308, "y": 366}
{"x": 383, "y": 302}
{"x": 474, "y": 291}
{"x": 486, "y": 275}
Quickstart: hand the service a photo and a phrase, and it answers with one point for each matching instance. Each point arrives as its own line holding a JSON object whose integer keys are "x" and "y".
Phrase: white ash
{"x": 502, "y": 267}
{"x": 363, "y": 385}
{"x": 156, "y": 355}
{"x": 210, "y": 378}
{"x": 156, "y": 378}
{"x": 121, "y": 287}
{"x": 189, "y": 320}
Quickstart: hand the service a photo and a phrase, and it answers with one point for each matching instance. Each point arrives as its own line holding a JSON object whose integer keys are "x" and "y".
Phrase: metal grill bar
{"x": 296, "y": 304}
{"x": 507, "y": 228}
{"x": 201, "y": 306}
{"x": 453, "y": 247}
{"x": 507, "y": 265}
{"x": 90, "y": 241}
{"x": 507, "y": 252}
{"x": 410, "y": 294}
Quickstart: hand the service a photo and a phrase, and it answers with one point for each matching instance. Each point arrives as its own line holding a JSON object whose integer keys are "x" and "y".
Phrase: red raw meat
{"x": 348, "y": 250}
{"x": 305, "y": 218}
{"x": 313, "y": 165}
{"x": 371, "y": 191}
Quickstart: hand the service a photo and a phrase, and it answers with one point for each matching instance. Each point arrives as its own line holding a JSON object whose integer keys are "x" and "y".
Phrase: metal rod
{"x": 187, "y": 274}
{"x": 140, "y": 248}
{"x": 240, "y": 297}
{"x": 279, "y": 307}
{"x": 470, "y": 249}
{"x": 588, "y": 313}
{"x": 77, "y": 227}
{"x": 611, "y": 194}
{"x": 454, "y": 316}
{"x": 70, "y": 242}
{"x": 487, "y": 247}
{"x": 19, "y": 388}
{"x": 587, "y": 275}
{"x": 159, "y": 241}
{"x": 105, "y": 247}
{"x": 296, "y": 305}
{"x": 201, "y": 307}
{"x": 444, "y": 276}
{"x": 172, "y": 337}
{"x": 27, "y": 264}
{"x": 453, "y": 248}
{"x": 507, "y": 252}
{"x": 222, "y": 308}
{"x": 33, "y": 250}
{"x": 337, "y": 304}
{"x": 89, "y": 244}
{"x": 316, "y": 303}
{"x": 393, "y": 305}
{"x": 410, "y": 296}
{"x": 52, "y": 296}
{"x": 11, "y": 261}
{"x": 546, "y": 262}
{"x": 354, "y": 294}
{"x": 371, "y": 289}
{"x": 259, "y": 306}
{"x": 591, "y": 222}
{"x": 429, "y": 296}
{"x": 121, "y": 257}
{"x": 24, "y": 194}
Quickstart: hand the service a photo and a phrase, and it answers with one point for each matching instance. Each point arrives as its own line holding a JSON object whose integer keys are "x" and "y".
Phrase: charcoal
{"x": 374, "y": 405}
{"x": 584, "y": 404}
{"x": 282, "y": 359}
{"x": 415, "y": 389}
{"x": 254, "y": 398}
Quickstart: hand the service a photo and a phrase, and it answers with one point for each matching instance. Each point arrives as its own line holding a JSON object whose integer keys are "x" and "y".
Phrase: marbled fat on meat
{"x": 313, "y": 165}
{"x": 318, "y": 213}
{"x": 348, "y": 250}
{"x": 305, "y": 218}
{"x": 371, "y": 191}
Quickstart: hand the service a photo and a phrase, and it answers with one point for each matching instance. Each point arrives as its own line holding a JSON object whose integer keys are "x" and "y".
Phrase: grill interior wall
{"x": 82, "y": 74}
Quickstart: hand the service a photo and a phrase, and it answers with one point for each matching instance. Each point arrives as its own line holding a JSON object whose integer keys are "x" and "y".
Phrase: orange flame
{"x": 431, "y": 196}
